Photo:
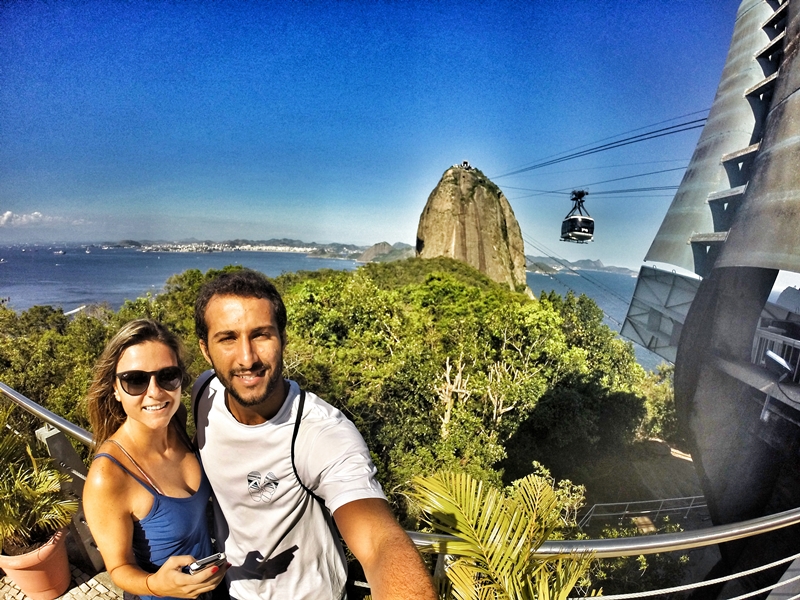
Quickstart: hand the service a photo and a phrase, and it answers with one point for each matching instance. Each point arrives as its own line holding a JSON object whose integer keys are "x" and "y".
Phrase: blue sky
{"x": 328, "y": 121}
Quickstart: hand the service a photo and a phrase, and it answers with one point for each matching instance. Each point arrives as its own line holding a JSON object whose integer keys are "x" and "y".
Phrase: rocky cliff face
{"x": 468, "y": 218}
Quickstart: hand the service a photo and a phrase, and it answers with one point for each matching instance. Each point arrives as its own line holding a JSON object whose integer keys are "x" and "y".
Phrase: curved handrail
{"x": 604, "y": 548}
{"x": 648, "y": 544}
{"x": 47, "y": 416}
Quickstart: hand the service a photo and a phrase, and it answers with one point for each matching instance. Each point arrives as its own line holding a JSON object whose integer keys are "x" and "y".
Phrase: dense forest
{"x": 439, "y": 367}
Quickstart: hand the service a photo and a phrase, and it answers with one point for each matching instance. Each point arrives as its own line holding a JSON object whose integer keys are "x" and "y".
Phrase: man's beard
{"x": 275, "y": 378}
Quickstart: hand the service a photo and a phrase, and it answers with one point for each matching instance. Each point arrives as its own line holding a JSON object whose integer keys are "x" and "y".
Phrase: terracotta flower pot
{"x": 42, "y": 574}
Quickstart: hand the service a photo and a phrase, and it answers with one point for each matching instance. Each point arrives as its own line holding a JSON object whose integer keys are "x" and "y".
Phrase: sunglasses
{"x": 136, "y": 383}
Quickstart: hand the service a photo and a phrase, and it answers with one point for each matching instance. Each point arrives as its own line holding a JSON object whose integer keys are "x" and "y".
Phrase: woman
{"x": 146, "y": 495}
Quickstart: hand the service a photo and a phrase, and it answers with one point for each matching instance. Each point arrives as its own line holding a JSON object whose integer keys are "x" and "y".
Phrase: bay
{"x": 33, "y": 276}
{"x": 611, "y": 291}
{"x": 36, "y": 275}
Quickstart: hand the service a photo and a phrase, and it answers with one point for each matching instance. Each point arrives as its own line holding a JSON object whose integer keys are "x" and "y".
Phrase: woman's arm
{"x": 109, "y": 502}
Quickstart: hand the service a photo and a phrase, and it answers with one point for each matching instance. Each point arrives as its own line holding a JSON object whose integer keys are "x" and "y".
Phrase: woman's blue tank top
{"x": 174, "y": 526}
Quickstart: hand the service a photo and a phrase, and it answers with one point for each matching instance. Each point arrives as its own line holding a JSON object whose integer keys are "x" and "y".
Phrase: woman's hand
{"x": 170, "y": 580}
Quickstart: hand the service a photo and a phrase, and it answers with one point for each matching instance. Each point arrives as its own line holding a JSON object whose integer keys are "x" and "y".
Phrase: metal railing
{"x": 784, "y": 346}
{"x": 599, "y": 548}
{"x": 648, "y": 544}
{"x": 643, "y": 508}
{"x": 37, "y": 410}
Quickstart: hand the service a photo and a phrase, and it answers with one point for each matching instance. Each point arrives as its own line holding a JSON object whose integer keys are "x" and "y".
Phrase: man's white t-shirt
{"x": 276, "y": 536}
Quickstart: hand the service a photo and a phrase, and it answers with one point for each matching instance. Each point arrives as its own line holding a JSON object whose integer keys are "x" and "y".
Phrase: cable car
{"x": 578, "y": 226}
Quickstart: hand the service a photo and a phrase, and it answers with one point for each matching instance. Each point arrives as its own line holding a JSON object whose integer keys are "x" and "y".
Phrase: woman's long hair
{"x": 105, "y": 411}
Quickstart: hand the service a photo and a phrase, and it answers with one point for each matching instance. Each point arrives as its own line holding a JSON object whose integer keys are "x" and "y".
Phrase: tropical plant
{"x": 498, "y": 532}
{"x": 32, "y": 507}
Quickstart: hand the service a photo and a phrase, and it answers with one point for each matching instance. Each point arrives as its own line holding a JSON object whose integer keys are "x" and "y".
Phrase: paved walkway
{"x": 82, "y": 587}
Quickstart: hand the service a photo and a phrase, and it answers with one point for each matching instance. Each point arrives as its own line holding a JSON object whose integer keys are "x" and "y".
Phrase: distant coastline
{"x": 545, "y": 265}
{"x": 313, "y": 249}
{"x": 334, "y": 250}
{"x": 33, "y": 275}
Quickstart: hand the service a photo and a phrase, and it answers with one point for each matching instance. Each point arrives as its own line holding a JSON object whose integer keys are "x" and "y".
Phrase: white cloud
{"x": 11, "y": 219}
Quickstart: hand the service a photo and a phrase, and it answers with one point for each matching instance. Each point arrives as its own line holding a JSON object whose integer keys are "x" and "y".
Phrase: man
{"x": 279, "y": 472}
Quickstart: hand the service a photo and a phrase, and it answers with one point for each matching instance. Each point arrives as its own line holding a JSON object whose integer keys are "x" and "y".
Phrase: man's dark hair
{"x": 243, "y": 283}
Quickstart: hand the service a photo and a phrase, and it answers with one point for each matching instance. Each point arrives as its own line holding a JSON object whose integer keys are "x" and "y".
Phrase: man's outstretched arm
{"x": 393, "y": 567}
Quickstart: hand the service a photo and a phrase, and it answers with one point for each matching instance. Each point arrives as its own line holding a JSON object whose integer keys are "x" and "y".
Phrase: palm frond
{"x": 32, "y": 507}
{"x": 9, "y": 515}
{"x": 556, "y": 581}
{"x": 536, "y": 497}
{"x": 454, "y": 504}
{"x": 470, "y": 582}
{"x": 498, "y": 533}
{"x": 10, "y": 440}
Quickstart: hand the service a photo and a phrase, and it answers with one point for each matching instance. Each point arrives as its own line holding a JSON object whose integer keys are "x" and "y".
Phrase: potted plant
{"x": 33, "y": 517}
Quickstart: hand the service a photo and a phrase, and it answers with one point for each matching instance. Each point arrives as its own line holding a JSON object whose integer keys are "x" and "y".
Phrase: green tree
{"x": 48, "y": 358}
{"x": 661, "y": 420}
{"x": 436, "y": 373}
{"x": 438, "y": 366}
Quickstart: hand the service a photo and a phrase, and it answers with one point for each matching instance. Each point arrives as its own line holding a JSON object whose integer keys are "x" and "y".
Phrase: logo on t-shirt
{"x": 261, "y": 490}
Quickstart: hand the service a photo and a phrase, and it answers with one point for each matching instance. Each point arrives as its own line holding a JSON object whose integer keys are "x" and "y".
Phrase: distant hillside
{"x": 396, "y": 254}
{"x": 330, "y": 250}
{"x": 547, "y": 265}
{"x": 373, "y": 251}
{"x": 383, "y": 252}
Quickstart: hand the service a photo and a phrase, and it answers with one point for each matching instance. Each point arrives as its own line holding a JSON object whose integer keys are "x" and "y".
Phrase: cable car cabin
{"x": 578, "y": 226}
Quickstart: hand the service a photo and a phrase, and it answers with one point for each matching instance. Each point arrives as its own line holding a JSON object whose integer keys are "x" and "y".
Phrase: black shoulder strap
{"x": 197, "y": 393}
{"x": 297, "y": 419}
{"x": 329, "y": 517}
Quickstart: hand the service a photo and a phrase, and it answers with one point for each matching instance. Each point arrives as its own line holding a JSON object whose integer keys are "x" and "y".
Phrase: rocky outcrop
{"x": 468, "y": 218}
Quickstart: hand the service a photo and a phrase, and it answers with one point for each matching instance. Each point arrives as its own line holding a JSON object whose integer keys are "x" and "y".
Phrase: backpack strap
{"x": 199, "y": 388}
{"x": 297, "y": 419}
{"x": 329, "y": 517}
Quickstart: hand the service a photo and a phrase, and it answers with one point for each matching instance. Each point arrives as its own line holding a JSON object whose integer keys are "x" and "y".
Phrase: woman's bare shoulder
{"x": 106, "y": 477}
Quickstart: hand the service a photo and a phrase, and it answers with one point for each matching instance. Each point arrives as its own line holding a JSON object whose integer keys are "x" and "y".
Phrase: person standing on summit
{"x": 287, "y": 468}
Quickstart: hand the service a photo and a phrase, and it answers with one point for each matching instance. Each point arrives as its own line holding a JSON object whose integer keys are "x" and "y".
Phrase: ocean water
{"x": 36, "y": 275}
{"x": 611, "y": 291}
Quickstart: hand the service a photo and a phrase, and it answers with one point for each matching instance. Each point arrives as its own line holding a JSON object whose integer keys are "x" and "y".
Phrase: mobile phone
{"x": 217, "y": 559}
